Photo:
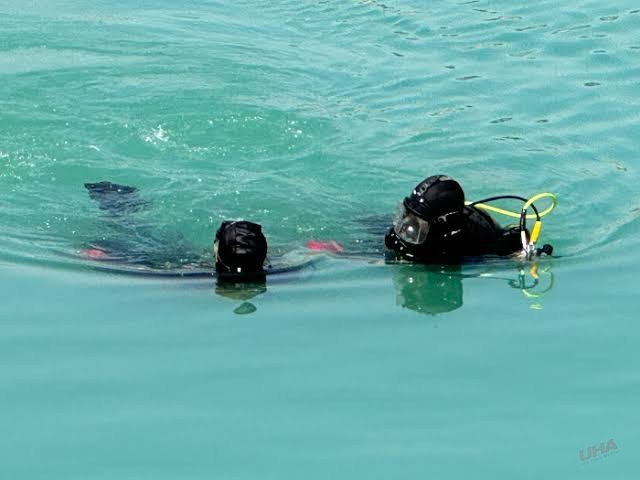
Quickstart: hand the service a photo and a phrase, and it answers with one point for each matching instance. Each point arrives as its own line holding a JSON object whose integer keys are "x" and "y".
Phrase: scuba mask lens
{"x": 410, "y": 228}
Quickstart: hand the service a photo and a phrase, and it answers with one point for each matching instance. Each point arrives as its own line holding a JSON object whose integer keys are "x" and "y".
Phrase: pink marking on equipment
{"x": 94, "y": 253}
{"x": 331, "y": 246}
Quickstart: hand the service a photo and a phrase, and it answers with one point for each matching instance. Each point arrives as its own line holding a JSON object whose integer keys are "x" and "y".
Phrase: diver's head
{"x": 428, "y": 217}
{"x": 240, "y": 248}
{"x": 435, "y": 196}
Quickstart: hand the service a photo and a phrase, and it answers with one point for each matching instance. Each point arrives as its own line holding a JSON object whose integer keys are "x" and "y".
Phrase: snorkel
{"x": 529, "y": 249}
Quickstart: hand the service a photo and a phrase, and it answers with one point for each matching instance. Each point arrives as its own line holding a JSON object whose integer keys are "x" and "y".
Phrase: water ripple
{"x": 325, "y": 107}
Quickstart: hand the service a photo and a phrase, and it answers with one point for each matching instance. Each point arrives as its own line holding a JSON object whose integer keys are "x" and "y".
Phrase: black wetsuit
{"x": 436, "y": 226}
{"x": 130, "y": 246}
{"x": 473, "y": 233}
{"x": 481, "y": 235}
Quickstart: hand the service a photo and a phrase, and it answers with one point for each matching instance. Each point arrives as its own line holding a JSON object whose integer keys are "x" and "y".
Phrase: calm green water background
{"x": 306, "y": 117}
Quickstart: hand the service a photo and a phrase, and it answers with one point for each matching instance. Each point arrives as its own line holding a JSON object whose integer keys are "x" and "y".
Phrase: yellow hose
{"x": 508, "y": 213}
{"x": 535, "y": 233}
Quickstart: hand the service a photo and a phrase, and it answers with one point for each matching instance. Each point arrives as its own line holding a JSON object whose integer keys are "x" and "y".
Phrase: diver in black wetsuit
{"x": 435, "y": 226}
{"x": 239, "y": 249}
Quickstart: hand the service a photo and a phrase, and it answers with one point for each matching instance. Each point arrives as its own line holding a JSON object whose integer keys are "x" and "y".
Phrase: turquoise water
{"x": 308, "y": 117}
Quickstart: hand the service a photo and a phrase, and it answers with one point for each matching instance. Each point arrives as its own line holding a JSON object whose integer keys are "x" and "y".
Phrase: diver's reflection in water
{"x": 428, "y": 289}
{"x": 242, "y": 291}
{"x": 437, "y": 289}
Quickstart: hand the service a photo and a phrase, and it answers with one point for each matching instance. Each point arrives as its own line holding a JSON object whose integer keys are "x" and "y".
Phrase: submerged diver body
{"x": 239, "y": 252}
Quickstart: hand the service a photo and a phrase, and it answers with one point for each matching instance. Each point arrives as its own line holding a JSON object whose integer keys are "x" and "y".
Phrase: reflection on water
{"x": 238, "y": 290}
{"x": 535, "y": 283}
{"x": 437, "y": 289}
{"x": 429, "y": 289}
{"x": 425, "y": 289}
{"x": 245, "y": 308}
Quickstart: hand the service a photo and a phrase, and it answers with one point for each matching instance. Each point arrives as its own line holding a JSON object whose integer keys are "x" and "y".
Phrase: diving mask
{"x": 409, "y": 227}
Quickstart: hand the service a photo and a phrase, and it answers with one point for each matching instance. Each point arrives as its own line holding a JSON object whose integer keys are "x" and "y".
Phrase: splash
{"x": 157, "y": 134}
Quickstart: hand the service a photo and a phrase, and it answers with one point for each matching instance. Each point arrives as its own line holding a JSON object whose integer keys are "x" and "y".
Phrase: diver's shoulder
{"x": 478, "y": 218}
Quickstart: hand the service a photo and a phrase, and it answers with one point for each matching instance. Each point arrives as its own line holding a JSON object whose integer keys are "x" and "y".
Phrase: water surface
{"x": 309, "y": 117}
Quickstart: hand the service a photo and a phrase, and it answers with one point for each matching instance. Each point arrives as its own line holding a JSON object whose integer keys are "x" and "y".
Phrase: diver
{"x": 239, "y": 247}
{"x": 434, "y": 224}
{"x": 238, "y": 259}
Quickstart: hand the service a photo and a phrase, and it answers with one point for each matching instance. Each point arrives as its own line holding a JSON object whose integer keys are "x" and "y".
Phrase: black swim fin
{"x": 114, "y": 198}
